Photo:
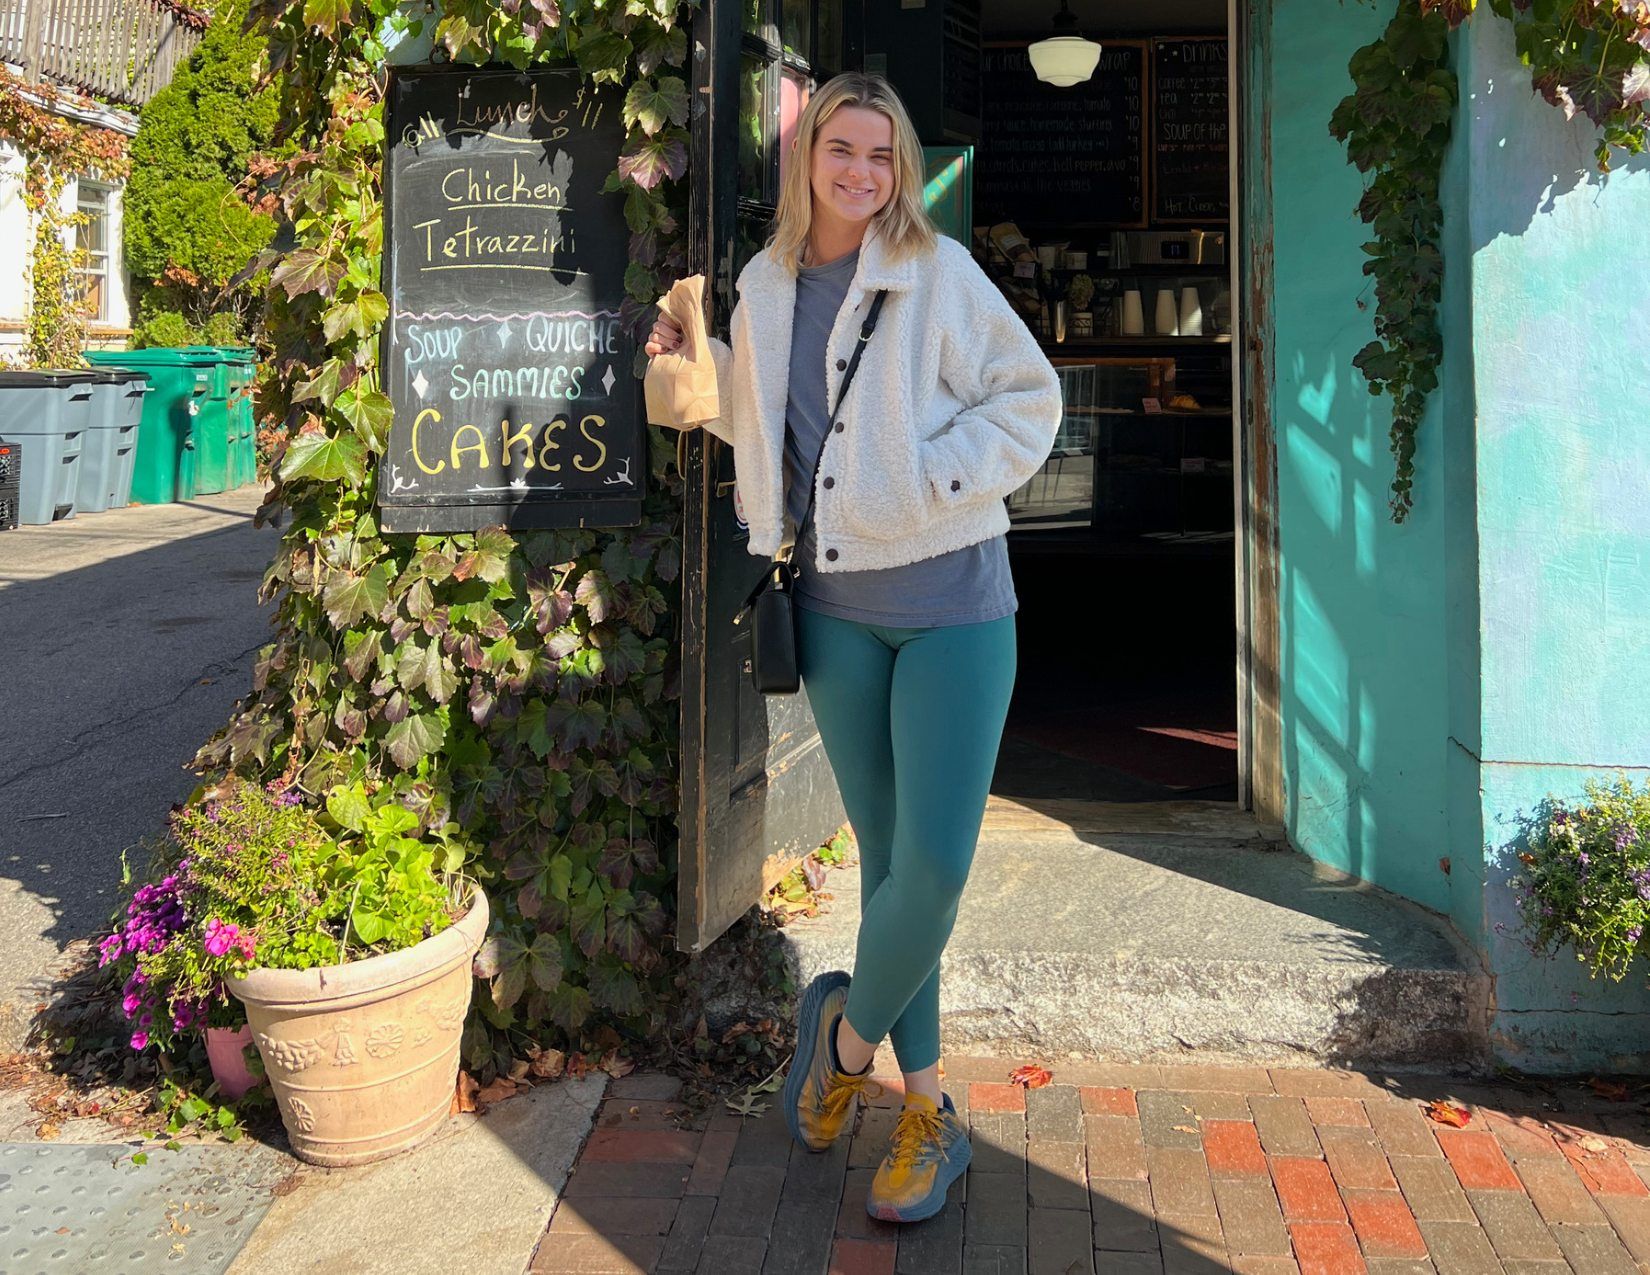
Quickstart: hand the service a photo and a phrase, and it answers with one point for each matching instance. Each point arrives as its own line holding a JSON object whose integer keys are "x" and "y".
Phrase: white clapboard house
{"x": 104, "y": 59}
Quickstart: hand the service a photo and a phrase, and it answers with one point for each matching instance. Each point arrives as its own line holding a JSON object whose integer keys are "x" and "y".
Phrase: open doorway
{"x": 1101, "y": 208}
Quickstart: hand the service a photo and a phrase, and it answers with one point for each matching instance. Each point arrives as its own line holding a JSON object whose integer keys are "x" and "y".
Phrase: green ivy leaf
{"x": 348, "y": 598}
{"x": 545, "y": 962}
{"x": 657, "y": 46}
{"x": 307, "y": 269}
{"x": 362, "y": 315}
{"x": 350, "y": 807}
{"x": 615, "y": 987}
{"x": 421, "y": 664}
{"x": 647, "y": 161}
{"x": 655, "y": 105}
{"x": 325, "y": 457}
{"x": 326, "y": 16}
{"x": 413, "y": 738}
{"x": 369, "y": 414}
{"x": 603, "y": 56}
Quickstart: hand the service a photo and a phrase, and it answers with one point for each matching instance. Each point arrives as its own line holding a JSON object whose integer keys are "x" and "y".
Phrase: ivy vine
{"x": 1589, "y": 57}
{"x": 524, "y": 684}
{"x": 55, "y": 149}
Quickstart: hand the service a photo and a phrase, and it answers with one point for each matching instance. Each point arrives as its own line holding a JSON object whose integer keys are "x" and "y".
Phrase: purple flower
{"x": 140, "y": 1040}
{"x": 129, "y": 1003}
{"x": 1633, "y": 934}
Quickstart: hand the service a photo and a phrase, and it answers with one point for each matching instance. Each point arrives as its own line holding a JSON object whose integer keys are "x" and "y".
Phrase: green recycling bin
{"x": 164, "y": 468}
{"x": 212, "y": 431}
{"x": 242, "y": 418}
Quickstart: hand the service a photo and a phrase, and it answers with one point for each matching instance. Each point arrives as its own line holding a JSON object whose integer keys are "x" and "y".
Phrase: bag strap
{"x": 783, "y": 563}
{"x": 866, "y": 328}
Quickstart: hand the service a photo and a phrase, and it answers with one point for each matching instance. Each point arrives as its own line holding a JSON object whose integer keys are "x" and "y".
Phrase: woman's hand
{"x": 664, "y": 339}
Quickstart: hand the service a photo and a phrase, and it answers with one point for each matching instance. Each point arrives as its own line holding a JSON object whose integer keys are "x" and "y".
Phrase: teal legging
{"x": 911, "y": 720}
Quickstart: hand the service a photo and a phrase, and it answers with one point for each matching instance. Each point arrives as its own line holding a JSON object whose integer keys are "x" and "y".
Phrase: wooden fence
{"x": 123, "y": 51}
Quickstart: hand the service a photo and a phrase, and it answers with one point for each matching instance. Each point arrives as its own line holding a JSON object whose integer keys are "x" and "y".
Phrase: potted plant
{"x": 1080, "y": 291}
{"x": 342, "y": 937}
{"x": 1586, "y": 877}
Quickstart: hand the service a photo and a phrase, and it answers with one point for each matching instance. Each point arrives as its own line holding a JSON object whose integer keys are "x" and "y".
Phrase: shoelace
{"x": 840, "y": 1091}
{"x": 914, "y": 1130}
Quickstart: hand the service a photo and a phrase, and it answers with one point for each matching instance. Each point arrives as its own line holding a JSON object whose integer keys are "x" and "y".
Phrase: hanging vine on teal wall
{"x": 1588, "y": 57}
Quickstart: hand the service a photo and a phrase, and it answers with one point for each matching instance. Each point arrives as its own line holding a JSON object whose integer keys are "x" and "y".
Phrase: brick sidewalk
{"x": 1131, "y": 1169}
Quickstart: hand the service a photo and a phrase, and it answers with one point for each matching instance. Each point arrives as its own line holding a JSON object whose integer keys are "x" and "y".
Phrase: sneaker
{"x": 819, "y": 1095}
{"x": 928, "y": 1152}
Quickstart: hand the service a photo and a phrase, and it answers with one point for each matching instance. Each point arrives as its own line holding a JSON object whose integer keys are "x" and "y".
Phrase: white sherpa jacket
{"x": 953, "y": 407}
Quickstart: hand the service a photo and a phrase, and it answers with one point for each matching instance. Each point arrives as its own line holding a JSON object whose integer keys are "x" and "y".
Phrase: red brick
{"x": 1306, "y": 1190}
{"x": 642, "y": 1113}
{"x": 983, "y": 1096}
{"x": 1478, "y": 1160}
{"x": 1605, "y": 1172}
{"x": 1356, "y": 1160}
{"x": 633, "y": 1146}
{"x": 1385, "y": 1226}
{"x": 1326, "y": 1248}
{"x": 863, "y": 1257}
{"x": 711, "y": 1164}
{"x": 1523, "y": 1137}
{"x": 1330, "y": 1110}
{"x": 1233, "y": 1150}
{"x": 1558, "y": 1194}
{"x": 570, "y": 1254}
{"x": 1107, "y": 1100}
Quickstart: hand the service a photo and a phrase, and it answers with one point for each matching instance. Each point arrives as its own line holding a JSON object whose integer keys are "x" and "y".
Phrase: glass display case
{"x": 1142, "y": 459}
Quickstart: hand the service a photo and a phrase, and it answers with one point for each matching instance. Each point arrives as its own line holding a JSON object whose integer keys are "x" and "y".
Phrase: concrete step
{"x": 1148, "y": 936}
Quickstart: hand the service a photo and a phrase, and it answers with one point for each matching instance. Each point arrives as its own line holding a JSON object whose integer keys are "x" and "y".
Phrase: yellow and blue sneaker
{"x": 819, "y": 1095}
{"x": 928, "y": 1152}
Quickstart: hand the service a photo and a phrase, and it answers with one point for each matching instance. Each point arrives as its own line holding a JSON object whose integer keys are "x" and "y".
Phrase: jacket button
{"x": 841, "y": 364}
{"x": 839, "y": 427}
{"x": 831, "y": 554}
{"x": 955, "y": 485}
{"x": 830, "y": 482}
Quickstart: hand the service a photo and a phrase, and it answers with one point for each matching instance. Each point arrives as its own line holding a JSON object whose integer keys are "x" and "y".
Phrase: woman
{"x": 904, "y": 600}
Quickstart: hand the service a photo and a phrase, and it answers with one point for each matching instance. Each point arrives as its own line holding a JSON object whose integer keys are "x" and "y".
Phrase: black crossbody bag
{"x": 773, "y": 664}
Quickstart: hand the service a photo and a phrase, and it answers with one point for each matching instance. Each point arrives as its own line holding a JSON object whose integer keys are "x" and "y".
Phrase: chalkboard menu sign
{"x": 504, "y": 357}
{"x": 1062, "y": 156}
{"x": 1189, "y": 130}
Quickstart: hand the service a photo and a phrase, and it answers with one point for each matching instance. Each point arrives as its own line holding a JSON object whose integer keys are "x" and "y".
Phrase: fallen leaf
{"x": 62, "y": 1230}
{"x": 464, "y": 1095}
{"x": 48, "y": 1131}
{"x": 746, "y": 1105}
{"x": 1613, "y": 1090}
{"x": 1447, "y": 1113}
{"x": 498, "y": 1091}
{"x": 617, "y": 1067}
{"x": 548, "y": 1064}
{"x": 1031, "y": 1076}
{"x": 1183, "y": 1128}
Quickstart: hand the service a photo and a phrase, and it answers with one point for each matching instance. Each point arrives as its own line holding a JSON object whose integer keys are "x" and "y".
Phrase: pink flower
{"x": 140, "y": 1040}
{"x": 129, "y": 1005}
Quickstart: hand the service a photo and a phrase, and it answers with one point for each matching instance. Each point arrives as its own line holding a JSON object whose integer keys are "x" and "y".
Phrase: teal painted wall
{"x": 1561, "y": 347}
{"x": 1363, "y": 626}
{"x": 1440, "y": 677}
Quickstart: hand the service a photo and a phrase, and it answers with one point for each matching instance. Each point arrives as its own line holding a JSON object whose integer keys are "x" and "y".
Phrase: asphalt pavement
{"x": 125, "y": 639}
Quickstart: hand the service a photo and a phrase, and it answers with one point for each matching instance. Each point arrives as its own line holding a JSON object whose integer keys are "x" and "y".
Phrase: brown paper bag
{"x": 680, "y": 387}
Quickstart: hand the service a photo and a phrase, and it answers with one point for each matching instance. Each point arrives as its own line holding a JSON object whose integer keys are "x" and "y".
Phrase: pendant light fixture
{"x": 1065, "y": 58}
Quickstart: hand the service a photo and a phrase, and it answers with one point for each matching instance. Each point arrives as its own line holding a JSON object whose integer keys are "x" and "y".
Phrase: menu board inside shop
{"x": 504, "y": 357}
{"x": 1065, "y": 157}
{"x": 1189, "y": 130}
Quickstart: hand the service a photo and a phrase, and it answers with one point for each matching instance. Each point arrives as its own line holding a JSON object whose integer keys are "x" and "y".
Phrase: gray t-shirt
{"x": 965, "y": 586}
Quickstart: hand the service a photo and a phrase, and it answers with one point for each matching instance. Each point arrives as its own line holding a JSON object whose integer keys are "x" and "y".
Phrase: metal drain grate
{"x": 82, "y": 1208}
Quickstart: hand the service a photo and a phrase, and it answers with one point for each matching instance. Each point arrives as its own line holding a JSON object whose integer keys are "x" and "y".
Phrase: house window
{"x": 92, "y": 238}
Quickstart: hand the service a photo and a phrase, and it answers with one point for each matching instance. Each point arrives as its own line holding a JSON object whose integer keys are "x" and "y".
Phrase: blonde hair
{"x": 903, "y": 221}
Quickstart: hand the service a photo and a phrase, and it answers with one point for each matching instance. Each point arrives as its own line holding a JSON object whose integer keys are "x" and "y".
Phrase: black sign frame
{"x": 409, "y": 505}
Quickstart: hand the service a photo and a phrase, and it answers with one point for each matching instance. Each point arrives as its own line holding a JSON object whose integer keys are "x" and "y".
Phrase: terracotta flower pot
{"x": 226, "y": 1051}
{"x": 363, "y": 1057}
